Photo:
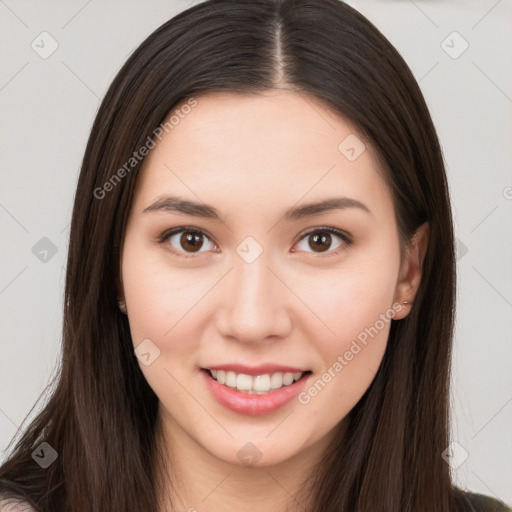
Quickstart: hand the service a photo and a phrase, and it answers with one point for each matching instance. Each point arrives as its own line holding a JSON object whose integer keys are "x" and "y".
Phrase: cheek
{"x": 162, "y": 301}
{"x": 351, "y": 356}
{"x": 348, "y": 300}
{"x": 359, "y": 320}
{"x": 356, "y": 306}
{"x": 162, "y": 306}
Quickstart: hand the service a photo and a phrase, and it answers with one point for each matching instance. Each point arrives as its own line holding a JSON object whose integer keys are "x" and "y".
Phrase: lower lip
{"x": 250, "y": 404}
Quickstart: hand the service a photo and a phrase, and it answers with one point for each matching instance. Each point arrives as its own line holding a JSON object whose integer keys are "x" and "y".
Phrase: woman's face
{"x": 250, "y": 283}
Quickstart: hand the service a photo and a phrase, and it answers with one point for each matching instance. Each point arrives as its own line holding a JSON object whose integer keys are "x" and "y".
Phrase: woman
{"x": 214, "y": 358}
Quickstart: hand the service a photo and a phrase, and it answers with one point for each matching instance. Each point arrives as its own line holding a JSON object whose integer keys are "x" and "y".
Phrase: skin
{"x": 253, "y": 158}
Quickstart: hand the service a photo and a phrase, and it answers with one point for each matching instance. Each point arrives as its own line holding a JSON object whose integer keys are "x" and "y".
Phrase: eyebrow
{"x": 179, "y": 205}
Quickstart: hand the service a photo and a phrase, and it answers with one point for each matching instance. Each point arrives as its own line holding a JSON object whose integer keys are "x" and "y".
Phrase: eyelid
{"x": 345, "y": 237}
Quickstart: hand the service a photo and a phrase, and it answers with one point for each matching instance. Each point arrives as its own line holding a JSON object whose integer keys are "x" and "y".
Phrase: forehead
{"x": 276, "y": 144}
{"x": 266, "y": 123}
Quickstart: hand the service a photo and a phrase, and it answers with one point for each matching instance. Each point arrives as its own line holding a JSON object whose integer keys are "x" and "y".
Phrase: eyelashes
{"x": 194, "y": 238}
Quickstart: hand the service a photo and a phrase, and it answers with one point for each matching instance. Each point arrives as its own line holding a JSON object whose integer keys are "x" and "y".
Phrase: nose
{"x": 255, "y": 304}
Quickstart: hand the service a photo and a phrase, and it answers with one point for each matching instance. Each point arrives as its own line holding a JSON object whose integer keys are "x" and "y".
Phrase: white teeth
{"x": 287, "y": 378}
{"x": 259, "y": 384}
{"x": 276, "y": 381}
{"x": 231, "y": 379}
{"x": 243, "y": 382}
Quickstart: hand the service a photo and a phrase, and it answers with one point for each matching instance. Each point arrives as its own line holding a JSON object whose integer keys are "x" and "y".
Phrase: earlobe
{"x": 412, "y": 269}
{"x": 122, "y": 306}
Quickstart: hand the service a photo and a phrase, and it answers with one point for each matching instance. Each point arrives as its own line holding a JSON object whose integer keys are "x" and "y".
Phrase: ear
{"x": 411, "y": 270}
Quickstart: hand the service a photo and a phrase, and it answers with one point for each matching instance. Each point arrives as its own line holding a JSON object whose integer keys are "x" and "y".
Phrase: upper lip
{"x": 261, "y": 369}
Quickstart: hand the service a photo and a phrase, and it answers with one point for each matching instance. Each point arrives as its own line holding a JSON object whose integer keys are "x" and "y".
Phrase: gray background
{"x": 47, "y": 107}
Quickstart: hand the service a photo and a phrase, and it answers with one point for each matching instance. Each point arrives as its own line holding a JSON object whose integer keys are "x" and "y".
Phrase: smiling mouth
{"x": 257, "y": 384}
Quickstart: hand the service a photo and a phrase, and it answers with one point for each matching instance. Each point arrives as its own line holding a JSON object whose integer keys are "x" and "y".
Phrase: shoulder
{"x": 14, "y": 505}
{"x": 483, "y": 503}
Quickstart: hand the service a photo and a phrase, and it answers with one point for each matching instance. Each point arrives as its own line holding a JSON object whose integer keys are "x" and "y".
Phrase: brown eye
{"x": 191, "y": 240}
{"x": 322, "y": 240}
{"x": 185, "y": 242}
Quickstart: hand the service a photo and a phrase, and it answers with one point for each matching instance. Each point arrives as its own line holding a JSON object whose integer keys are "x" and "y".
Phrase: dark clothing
{"x": 483, "y": 503}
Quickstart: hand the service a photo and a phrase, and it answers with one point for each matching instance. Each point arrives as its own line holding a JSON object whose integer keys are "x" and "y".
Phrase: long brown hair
{"x": 389, "y": 459}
